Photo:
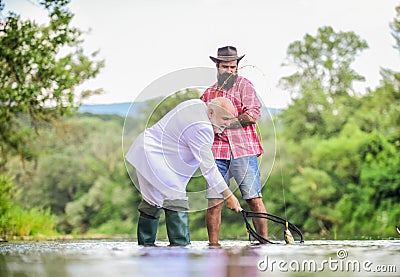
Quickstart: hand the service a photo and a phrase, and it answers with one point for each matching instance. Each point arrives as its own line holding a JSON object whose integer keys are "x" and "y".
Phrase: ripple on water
{"x": 233, "y": 258}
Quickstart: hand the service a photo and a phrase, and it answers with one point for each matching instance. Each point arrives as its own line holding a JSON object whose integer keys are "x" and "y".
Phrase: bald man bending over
{"x": 167, "y": 155}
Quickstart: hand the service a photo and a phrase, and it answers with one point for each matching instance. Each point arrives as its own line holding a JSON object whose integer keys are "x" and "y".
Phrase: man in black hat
{"x": 237, "y": 148}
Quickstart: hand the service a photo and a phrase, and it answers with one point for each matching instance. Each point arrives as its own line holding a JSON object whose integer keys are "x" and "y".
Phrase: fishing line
{"x": 283, "y": 187}
{"x": 255, "y": 67}
{"x": 279, "y": 154}
{"x": 237, "y": 72}
{"x": 282, "y": 183}
{"x": 248, "y": 214}
{"x": 277, "y": 146}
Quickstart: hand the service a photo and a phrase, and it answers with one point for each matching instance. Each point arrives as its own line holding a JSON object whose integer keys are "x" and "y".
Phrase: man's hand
{"x": 232, "y": 203}
{"x": 242, "y": 121}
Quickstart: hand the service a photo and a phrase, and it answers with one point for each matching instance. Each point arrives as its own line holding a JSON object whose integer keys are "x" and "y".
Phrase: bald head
{"x": 222, "y": 103}
{"x": 220, "y": 112}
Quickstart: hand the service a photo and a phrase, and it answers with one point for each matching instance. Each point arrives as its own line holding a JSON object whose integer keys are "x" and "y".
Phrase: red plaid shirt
{"x": 240, "y": 142}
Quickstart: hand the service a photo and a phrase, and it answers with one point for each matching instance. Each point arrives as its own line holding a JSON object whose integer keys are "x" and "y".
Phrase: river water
{"x": 234, "y": 258}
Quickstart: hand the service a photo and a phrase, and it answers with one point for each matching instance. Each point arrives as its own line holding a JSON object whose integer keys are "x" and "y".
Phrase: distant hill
{"x": 122, "y": 109}
{"x": 115, "y": 108}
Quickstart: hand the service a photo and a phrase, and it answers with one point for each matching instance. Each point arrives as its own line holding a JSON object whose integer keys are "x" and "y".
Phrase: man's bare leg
{"x": 213, "y": 220}
{"x": 261, "y": 225}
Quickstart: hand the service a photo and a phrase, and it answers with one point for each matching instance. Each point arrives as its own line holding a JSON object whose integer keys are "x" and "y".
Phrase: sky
{"x": 142, "y": 41}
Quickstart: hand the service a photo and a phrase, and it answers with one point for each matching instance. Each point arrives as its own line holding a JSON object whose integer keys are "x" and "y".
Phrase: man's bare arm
{"x": 242, "y": 121}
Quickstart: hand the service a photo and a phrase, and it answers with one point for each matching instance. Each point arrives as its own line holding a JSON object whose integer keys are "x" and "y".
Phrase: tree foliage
{"x": 343, "y": 146}
{"x": 40, "y": 67}
{"x": 395, "y": 26}
{"x": 336, "y": 174}
{"x": 156, "y": 108}
{"x": 325, "y": 58}
{"x": 16, "y": 220}
{"x": 322, "y": 86}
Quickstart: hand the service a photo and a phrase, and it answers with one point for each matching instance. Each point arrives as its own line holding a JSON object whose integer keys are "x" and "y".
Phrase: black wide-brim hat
{"x": 226, "y": 54}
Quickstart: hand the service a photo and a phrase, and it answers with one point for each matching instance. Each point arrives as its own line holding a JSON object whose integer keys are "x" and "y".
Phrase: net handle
{"x": 252, "y": 232}
{"x": 271, "y": 217}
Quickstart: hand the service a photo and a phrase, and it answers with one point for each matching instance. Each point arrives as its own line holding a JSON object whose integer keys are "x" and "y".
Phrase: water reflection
{"x": 235, "y": 258}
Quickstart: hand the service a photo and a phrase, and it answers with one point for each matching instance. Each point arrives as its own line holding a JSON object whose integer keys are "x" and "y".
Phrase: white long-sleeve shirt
{"x": 168, "y": 154}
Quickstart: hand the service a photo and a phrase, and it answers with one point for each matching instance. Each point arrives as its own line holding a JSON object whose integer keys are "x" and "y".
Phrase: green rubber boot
{"x": 177, "y": 227}
{"x": 147, "y": 230}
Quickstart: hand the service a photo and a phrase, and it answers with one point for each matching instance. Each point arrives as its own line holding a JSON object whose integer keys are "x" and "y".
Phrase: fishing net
{"x": 277, "y": 227}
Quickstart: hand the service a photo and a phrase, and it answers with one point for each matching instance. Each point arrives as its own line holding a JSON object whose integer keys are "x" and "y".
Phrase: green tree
{"x": 108, "y": 199}
{"x": 80, "y": 176}
{"x": 322, "y": 85}
{"x": 156, "y": 108}
{"x": 40, "y": 67}
{"x": 325, "y": 58}
{"x": 371, "y": 206}
{"x": 379, "y": 109}
{"x": 395, "y": 26}
{"x": 6, "y": 202}
{"x": 17, "y": 221}
{"x": 380, "y": 168}
{"x": 343, "y": 148}
{"x": 390, "y": 89}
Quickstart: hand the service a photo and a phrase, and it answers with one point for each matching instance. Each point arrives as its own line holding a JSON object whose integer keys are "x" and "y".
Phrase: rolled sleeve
{"x": 251, "y": 105}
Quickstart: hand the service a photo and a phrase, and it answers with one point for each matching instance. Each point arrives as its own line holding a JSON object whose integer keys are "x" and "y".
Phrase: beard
{"x": 226, "y": 80}
{"x": 218, "y": 129}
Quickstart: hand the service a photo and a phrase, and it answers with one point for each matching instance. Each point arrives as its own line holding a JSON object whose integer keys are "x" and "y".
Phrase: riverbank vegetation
{"x": 62, "y": 173}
